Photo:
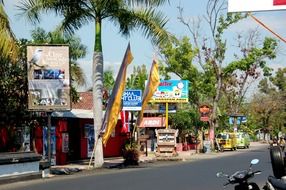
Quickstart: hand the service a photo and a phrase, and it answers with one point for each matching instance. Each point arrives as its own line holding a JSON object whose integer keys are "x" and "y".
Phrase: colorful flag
{"x": 151, "y": 87}
{"x": 114, "y": 104}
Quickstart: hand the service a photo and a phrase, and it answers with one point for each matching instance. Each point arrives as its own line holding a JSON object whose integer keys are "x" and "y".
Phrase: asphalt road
{"x": 198, "y": 174}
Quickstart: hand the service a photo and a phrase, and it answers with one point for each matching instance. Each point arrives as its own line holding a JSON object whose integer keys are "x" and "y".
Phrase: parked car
{"x": 227, "y": 141}
{"x": 243, "y": 140}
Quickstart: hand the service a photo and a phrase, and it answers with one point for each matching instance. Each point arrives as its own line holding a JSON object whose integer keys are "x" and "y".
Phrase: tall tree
{"x": 128, "y": 15}
{"x": 239, "y": 75}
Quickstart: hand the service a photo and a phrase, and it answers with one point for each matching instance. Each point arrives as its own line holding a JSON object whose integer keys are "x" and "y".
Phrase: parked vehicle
{"x": 227, "y": 141}
{"x": 240, "y": 178}
{"x": 243, "y": 140}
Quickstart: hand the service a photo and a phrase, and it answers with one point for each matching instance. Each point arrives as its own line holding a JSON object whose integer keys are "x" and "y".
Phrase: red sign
{"x": 279, "y": 2}
{"x": 153, "y": 122}
{"x": 205, "y": 112}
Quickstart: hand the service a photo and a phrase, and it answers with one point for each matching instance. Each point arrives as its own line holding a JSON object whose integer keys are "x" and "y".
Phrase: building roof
{"x": 84, "y": 102}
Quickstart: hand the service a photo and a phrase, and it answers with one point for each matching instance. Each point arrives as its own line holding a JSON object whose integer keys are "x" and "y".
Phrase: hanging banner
{"x": 48, "y": 78}
{"x": 255, "y": 5}
{"x": 172, "y": 91}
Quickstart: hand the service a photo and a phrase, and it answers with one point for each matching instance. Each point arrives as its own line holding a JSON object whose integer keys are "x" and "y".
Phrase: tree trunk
{"x": 97, "y": 106}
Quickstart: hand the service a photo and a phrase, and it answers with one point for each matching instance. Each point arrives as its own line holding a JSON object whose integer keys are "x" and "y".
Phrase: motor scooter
{"x": 240, "y": 178}
{"x": 275, "y": 184}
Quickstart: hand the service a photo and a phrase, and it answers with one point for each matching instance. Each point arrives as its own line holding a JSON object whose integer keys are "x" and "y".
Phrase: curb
{"x": 22, "y": 177}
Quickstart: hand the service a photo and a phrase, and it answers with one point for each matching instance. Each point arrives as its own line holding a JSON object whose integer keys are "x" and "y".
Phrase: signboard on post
{"x": 255, "y": 5}
{"x": 48, "y": 78}
{"x": 205, "y": 113}
{"x": 132, "y": 100}
{"x": 176, "y": 91}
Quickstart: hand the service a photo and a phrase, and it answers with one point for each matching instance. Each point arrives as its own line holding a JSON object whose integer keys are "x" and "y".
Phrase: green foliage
{"x": 178, "y": 58}
{"x": 130, "y": 153}
{"x": 108, "y": 80}
{"x": 255, "y": 58}
{"x": 280, "y": 79}
{"x": 137, "y": 79}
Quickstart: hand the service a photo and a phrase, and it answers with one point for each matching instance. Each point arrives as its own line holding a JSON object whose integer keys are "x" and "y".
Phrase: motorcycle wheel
{"x": 277, "y": 161}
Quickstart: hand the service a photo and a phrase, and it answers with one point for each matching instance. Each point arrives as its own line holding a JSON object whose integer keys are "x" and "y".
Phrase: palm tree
{"x": 128, "y": 15}
{"x": 8, "y": 42}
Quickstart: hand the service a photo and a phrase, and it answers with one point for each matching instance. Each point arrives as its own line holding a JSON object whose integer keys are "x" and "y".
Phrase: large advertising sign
{"x": 255, "y": 5}
{"x": 132, "y": 100}
{"x": 172, "y": 91}
{"x": 48, "y": 78}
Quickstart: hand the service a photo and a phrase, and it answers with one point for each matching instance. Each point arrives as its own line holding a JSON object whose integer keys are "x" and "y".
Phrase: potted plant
{"x": 131, "y": 154}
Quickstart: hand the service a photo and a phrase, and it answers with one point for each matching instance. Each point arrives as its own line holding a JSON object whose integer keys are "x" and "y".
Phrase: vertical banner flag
{"x": 255, "y": 5}
{"x": 114, "y": 104}
{"x": 151, "y": 87}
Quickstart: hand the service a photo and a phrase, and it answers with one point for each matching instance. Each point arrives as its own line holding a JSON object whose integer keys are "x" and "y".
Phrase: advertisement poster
{"x": 65, "y": 142}
{"x": 48, "y": 78}
{"x": 175, "y": 91}
{"x": 26, "y": 140}
{"x": 53, "y": 144}
{"x": 90, "y": 138}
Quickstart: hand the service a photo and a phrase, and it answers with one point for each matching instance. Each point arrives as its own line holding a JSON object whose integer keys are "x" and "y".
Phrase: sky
{"x": 114, "y": 45}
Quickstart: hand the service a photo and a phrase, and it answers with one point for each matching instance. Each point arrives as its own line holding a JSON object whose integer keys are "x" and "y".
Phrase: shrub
{"x": 131, "y": 154}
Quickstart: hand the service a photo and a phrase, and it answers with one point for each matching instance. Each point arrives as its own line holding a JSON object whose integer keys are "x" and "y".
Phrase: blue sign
{"x": 239, "y": 120}
{"x": 132, "y": 100}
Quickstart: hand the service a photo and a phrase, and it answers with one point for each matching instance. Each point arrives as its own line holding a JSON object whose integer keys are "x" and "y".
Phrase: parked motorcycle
{"x": 241, "y": 178}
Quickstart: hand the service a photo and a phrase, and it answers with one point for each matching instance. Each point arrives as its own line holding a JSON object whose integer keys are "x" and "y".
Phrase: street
{"x": 197, "y": 174}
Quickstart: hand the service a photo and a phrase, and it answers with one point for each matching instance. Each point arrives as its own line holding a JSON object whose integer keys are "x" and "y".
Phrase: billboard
{"x": 176, "y": 91}
{"x": 132, "y": 100}
{"x": 48, "y": 71}
{"x": 255, "y": 5}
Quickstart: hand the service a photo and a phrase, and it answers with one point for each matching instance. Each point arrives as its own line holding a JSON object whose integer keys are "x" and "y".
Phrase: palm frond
{"x": 151, "y": 22}
{"x": 77, "y": 74}
{"x": 8, "y": 42}
{"x": 150, "y": 3}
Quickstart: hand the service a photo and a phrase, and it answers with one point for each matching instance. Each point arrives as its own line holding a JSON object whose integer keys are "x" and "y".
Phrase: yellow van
{"x": 227, "y": 141}
{"x": 242, "y": 140}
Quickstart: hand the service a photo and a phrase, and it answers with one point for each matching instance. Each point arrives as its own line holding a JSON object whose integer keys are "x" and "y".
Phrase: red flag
{"x": 124, "y": 120}
{"x": 279, "y": 2}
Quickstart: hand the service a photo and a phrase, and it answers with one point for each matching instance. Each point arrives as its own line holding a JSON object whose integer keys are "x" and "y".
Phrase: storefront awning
{"x": 75, "y": 113}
